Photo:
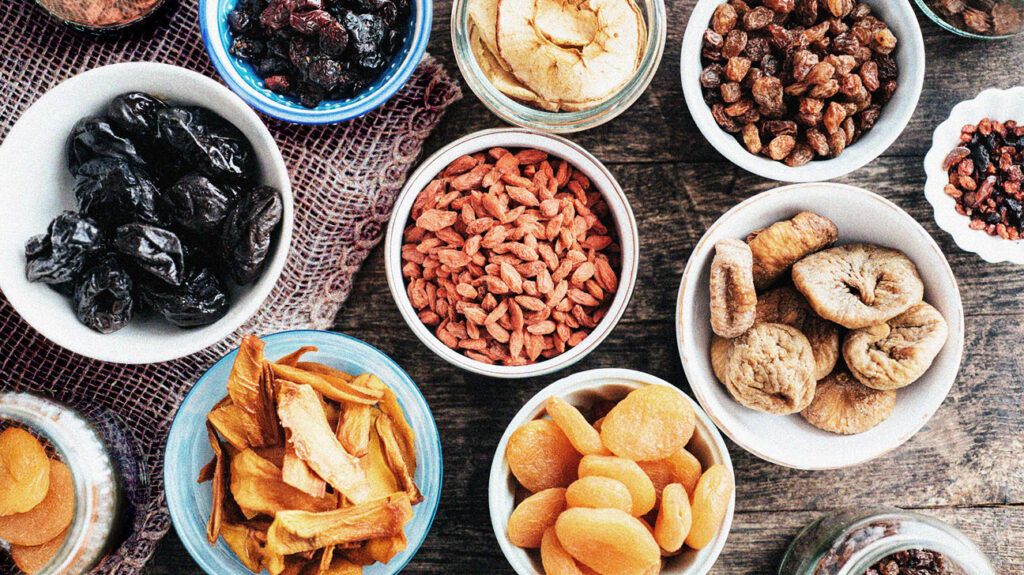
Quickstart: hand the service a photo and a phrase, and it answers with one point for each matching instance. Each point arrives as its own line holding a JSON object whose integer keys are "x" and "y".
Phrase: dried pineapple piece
{"x": 297, "y": 531}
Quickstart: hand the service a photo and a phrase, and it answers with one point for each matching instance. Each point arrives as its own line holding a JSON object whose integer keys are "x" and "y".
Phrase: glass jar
{"x": 98, "y": 494}
{"x": 519, "y": 114}
{"x": 937, "y": 11}
{"x": 101, "y": 15}
{"x": 848, "y": 542}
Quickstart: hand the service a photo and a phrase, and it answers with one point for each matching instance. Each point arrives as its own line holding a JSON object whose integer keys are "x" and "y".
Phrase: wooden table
{"x": 963, "y": 467}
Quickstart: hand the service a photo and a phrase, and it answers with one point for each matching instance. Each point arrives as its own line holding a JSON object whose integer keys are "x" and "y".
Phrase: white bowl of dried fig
{"x": 819, "y": 325}
{"x": 512, "y": 253}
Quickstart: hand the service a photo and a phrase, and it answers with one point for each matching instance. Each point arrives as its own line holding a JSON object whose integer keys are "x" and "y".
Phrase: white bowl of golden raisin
{"x": 802, "y": 90}
{"x": 615, "y": 472}
{"x": 819, "y": 325}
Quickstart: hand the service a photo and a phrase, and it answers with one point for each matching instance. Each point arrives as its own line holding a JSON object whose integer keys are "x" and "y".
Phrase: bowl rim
{"x": 853, "y": 158}
{"x": 992, "y": 249}
{"x": 201, "y": 553}
{"x": 592, "y": 379}
{"x": 941, "y": 23}
{"x": 956, "y": 337}
{"x": 244, "y": 307}
{"x": 514, "y": 138}
{"x": 295, "y": 113}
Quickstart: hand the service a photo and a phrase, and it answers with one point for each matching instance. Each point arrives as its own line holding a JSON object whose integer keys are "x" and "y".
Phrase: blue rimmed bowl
{"x": 244, "y": 81}
{"x": 188, "y": 449}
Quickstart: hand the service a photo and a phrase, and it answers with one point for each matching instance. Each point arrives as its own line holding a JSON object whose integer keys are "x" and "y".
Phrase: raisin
{"x": 724, "y": 19}
{"x": 839, "y": 8}
{"x": 869, "y": 117}
{"x": 801, "y": 154}
{"x": 820, "y": 74}
{"x": 780, "y": 147}
{"x": 818, "y": 142}
{"x": 780, "y": 6}
{"x": 711, "y": 76}
{"x": 731, "y": 92}
{"x": 713, "y": 39}
{"x": 735, "y": 43}
{"x": 758, "y": 18}
{"x": 803, "y": 62}
{"x": 752, "y": 139}
{"x": 736, "y": 68}
{"x": 757, "y": 48}
{"x": 807, "y": 11}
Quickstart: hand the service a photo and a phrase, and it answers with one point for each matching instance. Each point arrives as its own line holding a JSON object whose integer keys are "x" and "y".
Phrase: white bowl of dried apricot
{"x": 615, "y": 472}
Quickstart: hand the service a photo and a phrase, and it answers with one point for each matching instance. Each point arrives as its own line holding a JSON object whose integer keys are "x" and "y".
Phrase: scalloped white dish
{"x": 999, "y": 105}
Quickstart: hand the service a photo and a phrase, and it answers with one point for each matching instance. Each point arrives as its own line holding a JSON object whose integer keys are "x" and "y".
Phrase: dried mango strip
{"x": 236, "y": 426}
{"x": 296, "y": 473}
{"x": 297, "y": 531}
{"x": 213, "y": 527}
{"x": 322, "y": 369}
{"x": 329, "y": 387}
{"x": 389, "y": 405}
{"x": 293, "y": 358}
{"x": 354, "y": 427}
{"x": 257, "y": 487}
{"x": 396, "y": 458}
{"x": 245, "y": 387}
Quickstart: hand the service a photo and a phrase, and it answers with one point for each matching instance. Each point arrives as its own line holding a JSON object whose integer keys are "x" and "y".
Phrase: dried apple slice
{"x": 396, "y": 457}
{"x": 214, "y": 525}
{"x": 257, "y": 486}
{"x": 24, "y": 471}
{"x": 314, "y": 441}
{"x": 294, "y": 357}
{"x": 32, "y": 559}
{"x": 329, "y": 386}
{"x": 296, "y": 473}
{"x": 48, "y": 519}
{"x": 298, "y": 531}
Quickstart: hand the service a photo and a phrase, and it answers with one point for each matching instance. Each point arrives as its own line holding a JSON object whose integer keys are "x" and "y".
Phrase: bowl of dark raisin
{"x": 802, "y": 90}
{"x": 147, "y": 214}
{"x": 315, "y": 61}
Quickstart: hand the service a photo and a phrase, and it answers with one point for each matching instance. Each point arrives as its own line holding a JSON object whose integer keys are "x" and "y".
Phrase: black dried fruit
{"x": 114, "y": 192}
{"x": 248, "y": 233}
{"x": 200, "y": 300}
{"x": 211, "y": 144}
{"x": 60, "y": 255}
{"x": 96, "y": 137}
{"x": 104, "y": 299}
{"x": 153, "y": 250}
{"x": 197, "y": 206}
{"x": 134, "y": 113}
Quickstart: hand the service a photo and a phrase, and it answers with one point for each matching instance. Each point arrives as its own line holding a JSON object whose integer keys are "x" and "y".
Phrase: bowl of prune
{"x": 147, "y": 213}
{"x": 315, "y": 61}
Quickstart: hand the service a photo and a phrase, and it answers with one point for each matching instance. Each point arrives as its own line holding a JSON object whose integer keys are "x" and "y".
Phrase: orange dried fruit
{"x": 576, "y": 428}
{"x": 541, "y": 456}
{"x": 555, "y": 559}
{"x": 249, "y": 391}
{"x": 330, "y": 386}
{"x": 48, "y": 519}
{"x": 680, "y": 467}
{"x": 292, "y": 359}
{"x": 534, "y": 515}
{"x": 674, "y": 518}
{"x": 24, "y": 471}
{"x": 296, "y": 473}
{"x": 627, "y": 472}
{"x": 32, "y": 559}
{"x": 599, "y": 492}
{"x": 609, "y": 541}
{"x": 257, "y": 487}
{"x": 300, "y": 531}
{"x": 650, "y": 423}
{"x": 245, "y": 542}
{"x": 380, "y": 477}
{"x": 395, "y": 457}
{"x": 218, "y": 474}
{"x": 709, "y": 504}
{"x": 354, "y": 427}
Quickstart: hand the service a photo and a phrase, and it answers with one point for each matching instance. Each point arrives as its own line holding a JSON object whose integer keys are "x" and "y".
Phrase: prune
{"x": 96, "y": 137}
{"x": 200, "y": 300}
{"x": 333, "y": 40}
{"x": 248, "y": 232}
{"x": 213, "y": 145}
{"x": 197, "y": 206}
{"x": 325, "y": 73}
{"x": 104, "y": 299}
{"x": 61, "y": 254}
{"x": 134, "y": 113}
{"x": 366, "y": 31}
{"x": 114, "y": 192}
{"x": 152, "y": 249}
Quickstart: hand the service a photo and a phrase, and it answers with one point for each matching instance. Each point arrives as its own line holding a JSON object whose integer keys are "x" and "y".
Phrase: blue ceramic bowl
{"x": 188, "y": 448}
{"x": 243, "y": 80}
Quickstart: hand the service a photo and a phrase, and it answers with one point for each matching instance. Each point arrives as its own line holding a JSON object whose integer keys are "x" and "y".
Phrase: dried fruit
{"x": 258, "y": 488}
{"x": 555, "y": 559}
{"x": 680, "y": 467}
{"x": 34, "y": 559}
{"x": 49, "y": 518}
{"x": 300, "y": 531}
{"x": 845, "y": 406}
{"x": 770, "y": 368}
{"x": 785, "y": 305}
{"x": 784, "y": 243}
{"x": 896, "y": 353}
{"x": 25, "y": 470}
{"x": 652, "y": 422}
{"x": 580, "y": 433}
{"x": 626, "y": 472}
{"x": 709, "y": 505}
{"x": 674, "y": 518}
{"x": 535, "y": 515}
{"x": 733, "y": 298}
{"x": 541, "y": 456}
{"x": 598, "y": 492}
{"x": 608, "y": 541}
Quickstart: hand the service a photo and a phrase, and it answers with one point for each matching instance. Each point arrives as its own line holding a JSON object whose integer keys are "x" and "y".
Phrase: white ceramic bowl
{"x": 789, "y": 440}
{"x": 559, "y": 147}
{"x": 584, "y": 389}
{"x": 999, "y": 105}
{"x": 910, "y": 55}
{"x": 36, "y": 186}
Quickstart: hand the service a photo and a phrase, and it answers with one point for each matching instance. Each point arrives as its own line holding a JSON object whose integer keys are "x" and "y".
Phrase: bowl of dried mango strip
{"x": 303, "y": 452}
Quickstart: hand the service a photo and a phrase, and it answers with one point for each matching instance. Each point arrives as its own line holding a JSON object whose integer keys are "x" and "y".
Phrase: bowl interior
{"x": 910, "y": 56}
{"x": 600, "y": 177}
{"x": 243, "y": 79}
{"x": 584, "y": 390}
{"x": 188, "y": 449}
{"x": 789, "y": 440}
{"x": 37, "y": 186}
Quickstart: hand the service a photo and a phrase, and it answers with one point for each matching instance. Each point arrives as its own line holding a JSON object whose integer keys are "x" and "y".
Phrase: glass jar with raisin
{"x": 977, "y": 19}
{"x": 882, "y": 541}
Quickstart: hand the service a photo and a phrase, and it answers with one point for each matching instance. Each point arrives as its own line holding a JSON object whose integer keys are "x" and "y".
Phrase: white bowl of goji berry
{"x": 512, "y": 266}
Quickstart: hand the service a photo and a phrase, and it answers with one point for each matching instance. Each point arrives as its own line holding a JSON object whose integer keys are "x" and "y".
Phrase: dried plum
{"x": 104, "y": 299}
{"x": 152, "y": 249}
{"x": 213, "y": 145}
{"x": 200, "y": 300}
{"x": 248, "y": 233}
{"x": 61, "y": 254}
{"x": 96, "y": 137}
{"x": 197, "y": 206}
{"x": 134, "y": 113}
{"x": 114, "y": 192}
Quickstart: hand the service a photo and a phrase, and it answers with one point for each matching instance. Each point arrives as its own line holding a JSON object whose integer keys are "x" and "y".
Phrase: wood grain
{"x": 963, "y": 467}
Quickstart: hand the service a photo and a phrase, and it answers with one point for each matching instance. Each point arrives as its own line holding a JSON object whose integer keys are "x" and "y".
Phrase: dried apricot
{"x": 24, "y": 471}
{"x": 626, "y": 472}
{"x": 651, "y": 423}
{"x": 680, "y": 467}
{"x": 555, "y": 558}
{"x": 534, "y": 515}
{"x": 32, "y": 559}
{"x": 709, "y": 503}
{"x": 599, "y": 493}
{"x": 608, "y": 541}
{"x": 541, "y": 456}
{"x": 48, "y": 519}
{"x": 674, "y": 518}
{"x": 576, "y": 428}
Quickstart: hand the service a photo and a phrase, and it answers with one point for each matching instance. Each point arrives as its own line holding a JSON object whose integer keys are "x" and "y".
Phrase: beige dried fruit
{"x": 771, "y": 369}
{"x": 784, "y": 243}
{"x": 896, "y": 353}
{"x": 733, "y": 297}
{"x": 845, "y": 406}
{"x": 785, "y": 305}
{"x": 858, "y": 285}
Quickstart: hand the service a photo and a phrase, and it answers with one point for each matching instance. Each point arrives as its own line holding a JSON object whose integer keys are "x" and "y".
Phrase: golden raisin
{"x": 609, "y": 541}
{"x": 599, "y": 493}
{"x": 580, "y": 433}
{"x": 541, "y": 456}
{"x": 709, "y": 504}
{"x": 534, "y": 515}
{"x": 25, "y": 469}
{"x": 555, "y": 558}
{"x": 651, "y": 423}
{"x": 674, "y": 518}
{"x": 626, "y": 472}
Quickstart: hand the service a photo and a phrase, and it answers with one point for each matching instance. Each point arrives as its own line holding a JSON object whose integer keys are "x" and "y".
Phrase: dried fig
{"x": 771, "y": 369}
{"x": 896, "y": 353}
{"x": 845, "y": 406}
{"x": 858, "y": 285}
{"x": 733, "y": 298}
{"x": 785, "y": 305}
{"x": 784, "y": 243}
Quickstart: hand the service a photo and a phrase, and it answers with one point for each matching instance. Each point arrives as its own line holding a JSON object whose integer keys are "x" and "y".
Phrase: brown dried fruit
{"x": 780, "y": 147}
{"x": 541, "y": 456}
{"x": 845, "y": 406}
{"x": 896, "y": 353}
{"x": 784, "y": 243}
{"x": 535, "y": 515}
{"x": 733, "y": 298}
{"x": 770, "y": 368}
{"x": 785, "y": 305}
{"x": 650, "y": 423}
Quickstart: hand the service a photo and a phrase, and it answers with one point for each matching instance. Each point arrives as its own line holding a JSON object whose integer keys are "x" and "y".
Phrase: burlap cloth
{"x": 345, "y": 179}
